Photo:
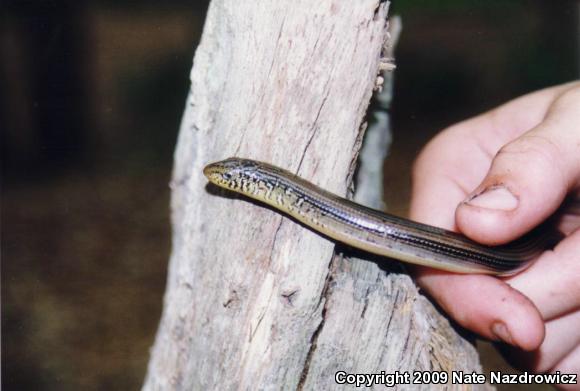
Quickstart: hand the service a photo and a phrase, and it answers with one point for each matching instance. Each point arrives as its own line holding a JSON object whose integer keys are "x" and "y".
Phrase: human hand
{"x": 528, "y": 154}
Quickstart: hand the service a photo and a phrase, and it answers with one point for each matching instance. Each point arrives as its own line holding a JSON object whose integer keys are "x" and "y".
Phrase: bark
{"x": 254, "y": 300}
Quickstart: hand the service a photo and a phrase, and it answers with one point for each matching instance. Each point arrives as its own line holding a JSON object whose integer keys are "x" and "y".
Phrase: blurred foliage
{"x": 464, "y": 57}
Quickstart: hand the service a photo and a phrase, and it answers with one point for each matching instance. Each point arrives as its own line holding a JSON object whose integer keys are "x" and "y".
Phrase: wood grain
{"x": 254, "y": 300}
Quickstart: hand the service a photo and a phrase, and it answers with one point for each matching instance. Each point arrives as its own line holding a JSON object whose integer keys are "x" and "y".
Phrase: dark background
{"x": 91, "y": 95}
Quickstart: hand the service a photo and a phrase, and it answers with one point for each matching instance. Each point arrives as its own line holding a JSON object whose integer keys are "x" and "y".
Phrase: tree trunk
{"x": 254, "y": 300}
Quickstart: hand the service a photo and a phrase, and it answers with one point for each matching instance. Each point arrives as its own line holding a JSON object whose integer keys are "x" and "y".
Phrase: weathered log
{"x": 254, "y": 300}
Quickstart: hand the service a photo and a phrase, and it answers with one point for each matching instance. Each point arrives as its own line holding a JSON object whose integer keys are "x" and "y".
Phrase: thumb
{"x": 528, "y": 178}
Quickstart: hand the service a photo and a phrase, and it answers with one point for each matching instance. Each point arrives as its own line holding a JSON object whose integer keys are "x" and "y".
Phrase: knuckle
{"x": 570, "y": 96}
{"x": 535, "y": 150}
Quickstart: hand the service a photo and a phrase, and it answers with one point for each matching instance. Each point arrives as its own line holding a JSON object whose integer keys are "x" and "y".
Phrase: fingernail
{"x": 500, "y": 330}
{"x": 494, "y": 197}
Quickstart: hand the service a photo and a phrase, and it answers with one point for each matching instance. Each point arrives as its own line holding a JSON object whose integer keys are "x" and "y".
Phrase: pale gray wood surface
{"x": 254, "y": 300}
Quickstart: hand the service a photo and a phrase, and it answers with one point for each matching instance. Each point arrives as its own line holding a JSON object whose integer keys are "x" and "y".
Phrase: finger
{"x": 562, "y": 337}
{"x": 567, "y": 219}
{"x": 570, "y": 365}
{"x": 509, "y": 121}
{"x": 552, "y": 281}
{"x": 487, "y": 306}
{"x": 528, "y": 179}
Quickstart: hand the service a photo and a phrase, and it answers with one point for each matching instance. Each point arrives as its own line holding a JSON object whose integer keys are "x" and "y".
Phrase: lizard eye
{"x": 227, "y": 176}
